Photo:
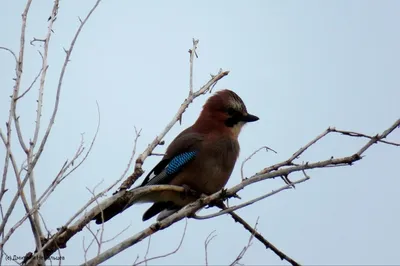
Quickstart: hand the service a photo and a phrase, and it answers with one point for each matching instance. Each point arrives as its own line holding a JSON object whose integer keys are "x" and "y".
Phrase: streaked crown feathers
{"x": 225, "y": 99}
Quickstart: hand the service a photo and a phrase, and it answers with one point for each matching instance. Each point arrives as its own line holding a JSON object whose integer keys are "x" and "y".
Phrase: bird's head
{"x": 226, "y": 110}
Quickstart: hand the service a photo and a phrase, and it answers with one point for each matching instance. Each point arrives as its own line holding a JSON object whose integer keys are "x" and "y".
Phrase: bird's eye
{"x": 231, "y": 111}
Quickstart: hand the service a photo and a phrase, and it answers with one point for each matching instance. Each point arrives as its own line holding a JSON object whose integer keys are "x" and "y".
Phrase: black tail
{"x": 155, "y": 209}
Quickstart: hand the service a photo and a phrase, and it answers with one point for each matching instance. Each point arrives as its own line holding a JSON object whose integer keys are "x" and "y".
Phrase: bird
{"x": 202, "y": 157}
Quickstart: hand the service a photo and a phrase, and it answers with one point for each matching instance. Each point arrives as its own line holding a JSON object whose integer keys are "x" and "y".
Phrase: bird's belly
{"x": 213, "y": 179}
{"x": 208, "y": 177}
{"x": 210, "y": 170}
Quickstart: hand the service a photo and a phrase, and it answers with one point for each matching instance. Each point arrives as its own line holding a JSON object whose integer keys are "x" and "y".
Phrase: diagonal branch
{"x": 251, "y": 156}
{"x": 247, "y": 203}
{"x": 163, "y": 255}
{"x": 60, "y": 80}
{"x": 257, "y": 235}
{"x": 244, "y": 250}
{"x": 126, "y": 197}
{"x": 360, "y": 135}
{"x": 192, "y": 208}
{"x": 59, "y": 239}
{"x": 140, "y": 160}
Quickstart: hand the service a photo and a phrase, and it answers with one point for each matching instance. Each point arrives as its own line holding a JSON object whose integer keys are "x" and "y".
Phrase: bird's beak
{"x": 249, "y": 118}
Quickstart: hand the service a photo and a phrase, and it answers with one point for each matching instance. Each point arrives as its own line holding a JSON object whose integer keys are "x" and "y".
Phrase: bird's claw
{"x": 188, "y": 192}
{"x": 215, "y": 203}
{"x": 286, "y": 179}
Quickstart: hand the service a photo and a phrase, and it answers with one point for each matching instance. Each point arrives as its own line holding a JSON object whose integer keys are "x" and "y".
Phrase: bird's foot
{"x": 188, "y": 192}
{"x": 215, "y": 203}
{"x": 286, "y": 179}
{"x": 224, "y": 196}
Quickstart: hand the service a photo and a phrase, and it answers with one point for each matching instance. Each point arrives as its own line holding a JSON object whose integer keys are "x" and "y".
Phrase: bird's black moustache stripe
{"x": 232, "y": 121}
{"x": 235, "y": 117}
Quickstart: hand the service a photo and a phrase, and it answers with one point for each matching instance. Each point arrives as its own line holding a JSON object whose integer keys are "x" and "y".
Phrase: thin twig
{"x": 58, "y": 179}
{"x": 167, "y": 254}
{"x": 147, "y": 252}
{"x": 138, "y": 171}
{"x": 258, "y": 236}
{"x": 117, "y": 235}
{"x": 191, "y": 208}
{"x": 63, "y": 174}
{"x": 192, "y": 54}
{"x": 251, "y": 155}
{"x": 13, "y": 54}
{"x": 58, "y": 238}
{"x": 86, "y": 249}
{"x": 295, "y": 155}
{"x": 60, "y": 80}
{"x": 32, "y": 143}
{"x": 244, "y": 250}
{"x": 7, "y": 141}
{"x": 360, "y": 135}
{"x": 30, "y": 86}
{"x": 247, "y": 203}
{"x": 208, "y": 240}
{"x": 99, "y": 241}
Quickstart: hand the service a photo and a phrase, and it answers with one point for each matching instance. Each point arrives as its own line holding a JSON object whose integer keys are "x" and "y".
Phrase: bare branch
{"x": 138, "y": 171}
{"x": 63, "y": 174}
{"x": 60, "y": 80}
{"x": 167, "y": 254}
{"x": 360, "y": 135}
{"x": 59, "y": 178}
{"x": 43, "y": 75}
{"x": 40, "y": 40}
{"x": 377, "y": 138}
{"x": 32, "y": 160}
{"x": 124, "y": 197}
{"x": 157, "y": 154}
{"x": 258, "y": 236}
{"x": 251, "y": 155}
{"x": 191, "y": 208}
{"x": 192, "y": 53}
{"x": 7, "y": 144}
{"x": 20, "y": 193}
{"x": 86, "y": 249}
{"x": 117, "y": 235}
{"x": 208, "y": 240}
{"x": 13, "y": 54}
{"x": 147, "y": 253}
{"x": 244, "y": 250}
{"x": 30, "y": 86}
{"x": 64, "y": 234}
{"x": 7, "y": 141}
{"x": 295, "y": 155}
{"x": 99, "y": 241}
{"x": 247, "y": 203}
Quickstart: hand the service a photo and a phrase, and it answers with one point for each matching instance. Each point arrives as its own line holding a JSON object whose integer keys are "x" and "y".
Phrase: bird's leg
{"x": 188, "y": 192}
{"x": 224, "y": 196}
{"x": 286, "y": 179}
{"x": 218, "y": 202}
{"x": 215, "y": 203}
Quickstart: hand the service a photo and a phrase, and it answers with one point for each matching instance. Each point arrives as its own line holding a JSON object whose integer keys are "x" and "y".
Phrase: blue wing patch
{"x": 179, "y": 161}
{"x": 169, "y": 170}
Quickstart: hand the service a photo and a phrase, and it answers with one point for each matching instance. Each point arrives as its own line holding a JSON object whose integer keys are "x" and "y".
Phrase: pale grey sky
{"x": 300, "y": 66}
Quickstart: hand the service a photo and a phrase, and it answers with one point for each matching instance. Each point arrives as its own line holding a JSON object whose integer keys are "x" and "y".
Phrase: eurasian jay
{"x": 202, "y": 156}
